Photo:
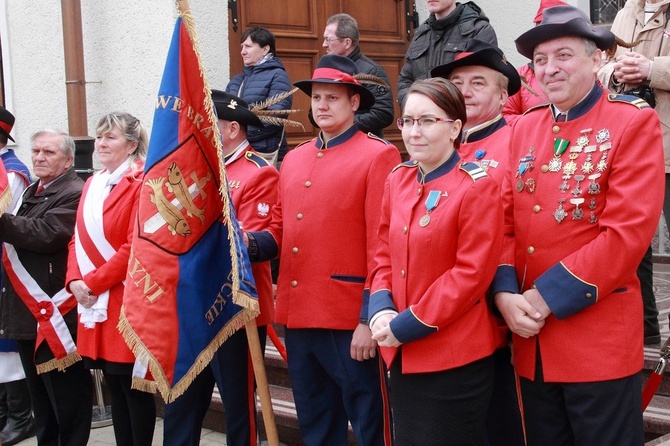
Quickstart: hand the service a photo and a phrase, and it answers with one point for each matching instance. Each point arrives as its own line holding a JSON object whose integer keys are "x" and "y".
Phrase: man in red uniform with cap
{"x": 325, "y": 226}
{"x": 486, "y": 79}
{"x": 580, "y": 214}
{"x": 252, "y": 182}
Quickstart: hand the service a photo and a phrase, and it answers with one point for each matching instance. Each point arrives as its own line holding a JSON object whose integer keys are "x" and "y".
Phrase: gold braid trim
{"x": 161, "y": 383}
{"x": 58, "y": 364}
{"x": 144, "y": 385}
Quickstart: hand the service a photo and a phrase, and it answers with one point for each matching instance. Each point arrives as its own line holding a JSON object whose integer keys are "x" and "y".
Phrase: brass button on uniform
{"x": 418, "y": 191}
{"x": 308, "y": 183}
{"x": 402, "y": 273}
{"x": 295, "y": 250}
{"x": 530, "y": 250}
{"x": 299, "y": 216}
{"x": 536, "y": 208}
{"x": 555, "y": 129}
{"x": 589, "y": 295}
{"x": 404, "y": 230}
{"x": 319, "y": 155}
{"x": 294, "y": 283}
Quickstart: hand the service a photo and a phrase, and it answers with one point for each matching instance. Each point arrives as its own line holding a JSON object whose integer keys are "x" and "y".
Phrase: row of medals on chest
{"x": 579, "y": 167}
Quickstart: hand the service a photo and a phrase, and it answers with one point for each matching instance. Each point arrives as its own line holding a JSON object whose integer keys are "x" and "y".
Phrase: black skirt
{"x": 441, "y": 408}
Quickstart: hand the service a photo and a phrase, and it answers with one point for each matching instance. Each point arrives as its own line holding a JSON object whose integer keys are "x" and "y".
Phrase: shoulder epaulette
{"x": 410, "y": 163}
{"x": 373, "y": 136}
{"x": 628, "y": 99}
{"x": 538, "y": 107}
{"x": 476, "y": 172}
{"x": 258, "y": 160}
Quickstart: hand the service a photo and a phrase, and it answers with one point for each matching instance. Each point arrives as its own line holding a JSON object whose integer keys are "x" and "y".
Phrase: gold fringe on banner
{"x": 58, "y": 364}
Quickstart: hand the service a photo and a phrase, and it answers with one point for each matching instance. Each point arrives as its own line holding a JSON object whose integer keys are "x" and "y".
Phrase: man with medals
{"x": 325, "y": 228}
{"x": 486, "y": 79}
{"x": 575, "y": 312}
{"x": 35, "y": 308}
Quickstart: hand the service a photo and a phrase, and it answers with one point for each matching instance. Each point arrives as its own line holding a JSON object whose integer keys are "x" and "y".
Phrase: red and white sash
{"x": 48, "y": 311}
{"x": 91, "y": 246}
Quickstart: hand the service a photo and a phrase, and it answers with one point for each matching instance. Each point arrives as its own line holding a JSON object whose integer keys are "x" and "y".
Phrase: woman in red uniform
{"x": 440, "y": 239}
{"x": 97, "y": 265}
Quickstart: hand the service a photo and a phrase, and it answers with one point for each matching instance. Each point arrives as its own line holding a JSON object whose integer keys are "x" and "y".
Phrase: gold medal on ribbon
{"x": 431, "y": 203}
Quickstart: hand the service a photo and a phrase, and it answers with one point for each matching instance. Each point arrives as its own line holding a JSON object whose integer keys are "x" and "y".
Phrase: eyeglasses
{"x": 424, "y": 123}
{"x": 329, "y": 40}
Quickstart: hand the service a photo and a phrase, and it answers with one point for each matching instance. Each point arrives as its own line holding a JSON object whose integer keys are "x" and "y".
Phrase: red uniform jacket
{"x": 584, "y": 267}
{"x": 104, "y": 341}
{"x": 326, "y": 224}
{"x": 488, "y": 146}
{"x": 436, "y": 275}
{"x": 253, "y": 189}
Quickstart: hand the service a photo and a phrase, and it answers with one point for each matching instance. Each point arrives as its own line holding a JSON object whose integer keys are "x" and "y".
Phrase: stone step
{"x": 275, "y": 366}
{"x": 657, "y": 417}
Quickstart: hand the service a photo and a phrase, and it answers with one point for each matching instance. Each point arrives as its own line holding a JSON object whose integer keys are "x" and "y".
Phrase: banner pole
{"x": 262, "y": 383}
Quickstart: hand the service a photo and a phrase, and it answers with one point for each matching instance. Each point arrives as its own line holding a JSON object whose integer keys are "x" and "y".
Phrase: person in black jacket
{"x": 442, "y": 36}
{"x": 341, "y": 37}
{"x": 264, "y": 76}
{"x": 35, "y": 310}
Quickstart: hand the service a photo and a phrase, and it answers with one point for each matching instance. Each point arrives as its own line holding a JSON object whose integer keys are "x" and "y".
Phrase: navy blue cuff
{"x": 380, "y": 300}
{"x": 504, "y": 280}
{"x": 564, "y": 293}
{"x": 364, "y": 319}
{"x": 264, "y": 246}
{"x": 406, "y": 327}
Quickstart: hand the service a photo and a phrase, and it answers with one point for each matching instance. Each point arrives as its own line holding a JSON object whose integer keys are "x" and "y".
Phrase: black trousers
{"x": 62, "y": 401}
{"x": 583, "y": 414}
{"x": 503, "y": 422}
{"x": 133, "y": 412}
{"x": 331, "y": 389}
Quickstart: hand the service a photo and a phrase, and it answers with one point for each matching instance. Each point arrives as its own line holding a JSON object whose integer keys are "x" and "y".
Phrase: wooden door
{"x": 298, "y": 27}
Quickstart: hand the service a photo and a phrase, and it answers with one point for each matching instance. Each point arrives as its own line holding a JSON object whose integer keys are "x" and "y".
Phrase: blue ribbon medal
{"x": 431, "y": 203}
